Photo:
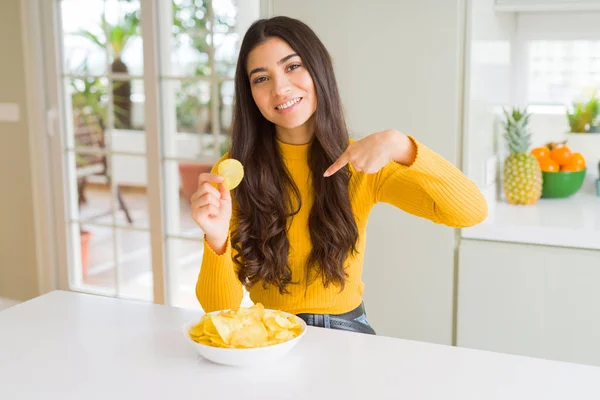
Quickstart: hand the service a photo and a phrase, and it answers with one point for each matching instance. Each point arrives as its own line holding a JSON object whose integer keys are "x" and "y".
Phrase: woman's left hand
{"x": 373, "y": 152}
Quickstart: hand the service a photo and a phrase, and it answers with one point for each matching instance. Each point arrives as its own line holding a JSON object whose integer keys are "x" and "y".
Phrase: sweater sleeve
{"x": 432, "y": 188}
{"x": 218, "y": 286}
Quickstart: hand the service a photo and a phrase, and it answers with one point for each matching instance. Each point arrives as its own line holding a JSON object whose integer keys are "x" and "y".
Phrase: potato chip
{"x": 226, "y": 325}
{"x": 245, "y": 327}
{"x": 209, "y": 327}
{"x": 198, "y": 329}
{"x": 232, "y": 172}
{"x": 253, "y": 335}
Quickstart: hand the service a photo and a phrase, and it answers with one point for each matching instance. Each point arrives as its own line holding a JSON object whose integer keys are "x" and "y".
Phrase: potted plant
{"x": 85, "y": 236}
{"x": 87, "y": 100}
{"x": 584, "y": 134}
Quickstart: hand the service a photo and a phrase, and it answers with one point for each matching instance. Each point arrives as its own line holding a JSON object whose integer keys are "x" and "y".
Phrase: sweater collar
{"x": 294, "y": 151}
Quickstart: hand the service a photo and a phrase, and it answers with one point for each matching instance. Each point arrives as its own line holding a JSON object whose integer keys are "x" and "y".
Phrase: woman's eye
{"x": 259, "y": 80}
{"x": 293, "y": 67}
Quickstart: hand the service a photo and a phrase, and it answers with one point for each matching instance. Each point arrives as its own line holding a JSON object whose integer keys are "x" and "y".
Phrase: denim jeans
{"x": 355, "y": 320}
{"x": 362, "y": 319}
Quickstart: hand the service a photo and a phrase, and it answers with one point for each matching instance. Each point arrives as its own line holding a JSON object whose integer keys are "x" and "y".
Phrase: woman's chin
{"x": 291, "y": 123}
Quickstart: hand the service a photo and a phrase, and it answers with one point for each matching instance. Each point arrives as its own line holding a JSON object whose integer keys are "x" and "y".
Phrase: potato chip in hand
{"x": 232, "y": 172}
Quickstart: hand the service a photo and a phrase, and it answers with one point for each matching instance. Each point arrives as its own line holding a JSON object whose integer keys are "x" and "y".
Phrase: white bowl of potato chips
{"x": 245, "y": 336}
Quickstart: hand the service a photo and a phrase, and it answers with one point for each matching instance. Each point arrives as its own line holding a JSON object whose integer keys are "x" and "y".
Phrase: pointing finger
{"x": 337, "y": 165}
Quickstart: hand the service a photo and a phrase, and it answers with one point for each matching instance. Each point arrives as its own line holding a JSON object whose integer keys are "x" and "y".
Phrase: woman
{"x": 297, "y": 236}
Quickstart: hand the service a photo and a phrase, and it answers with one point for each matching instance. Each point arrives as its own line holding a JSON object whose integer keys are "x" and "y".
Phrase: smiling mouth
{"x": 289, "y": 103}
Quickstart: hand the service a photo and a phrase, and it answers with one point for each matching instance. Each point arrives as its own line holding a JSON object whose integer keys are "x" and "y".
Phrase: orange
{"x": 577, "y": 160}
{"x": 541, "y": 152}
{"x": 549, "y": 165}
{"x": 576, "y": 163}
{"x": 571, "y": 168}
{"x": 561, "y": 155}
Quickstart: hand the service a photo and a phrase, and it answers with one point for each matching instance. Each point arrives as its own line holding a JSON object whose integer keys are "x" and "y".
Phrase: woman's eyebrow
{"x": 264, "y": 69}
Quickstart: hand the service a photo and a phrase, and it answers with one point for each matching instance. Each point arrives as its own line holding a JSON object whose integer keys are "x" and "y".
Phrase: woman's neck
{"x": 300, "y": 135}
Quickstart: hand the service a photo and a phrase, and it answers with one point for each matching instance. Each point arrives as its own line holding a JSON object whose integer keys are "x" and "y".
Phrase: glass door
{"x": 143, "y": 93}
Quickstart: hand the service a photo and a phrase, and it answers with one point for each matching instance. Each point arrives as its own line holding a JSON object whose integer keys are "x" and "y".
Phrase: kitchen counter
{"x": 65, "y": 345}
{"x": 571, "y": 222}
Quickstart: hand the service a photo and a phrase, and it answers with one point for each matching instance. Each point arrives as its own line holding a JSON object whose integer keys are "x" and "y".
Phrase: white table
{"x": 73, "y": 346}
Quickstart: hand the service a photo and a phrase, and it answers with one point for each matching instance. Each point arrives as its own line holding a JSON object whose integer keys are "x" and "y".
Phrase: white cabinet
{"x": 529, "y": 300}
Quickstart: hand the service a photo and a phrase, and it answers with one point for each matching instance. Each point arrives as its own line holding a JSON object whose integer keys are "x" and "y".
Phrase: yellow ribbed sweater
{"x": 430, "y": 188}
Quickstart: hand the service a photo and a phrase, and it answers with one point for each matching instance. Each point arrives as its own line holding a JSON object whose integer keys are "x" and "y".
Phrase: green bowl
{"x": 561, "y": 184}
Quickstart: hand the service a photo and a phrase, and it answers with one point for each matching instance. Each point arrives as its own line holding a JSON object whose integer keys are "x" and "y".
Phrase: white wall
{"x": 398, "y": 66}
{"x": 488, "y": 81}
{"x": 18, "y": 263}
{"x": 547, "y": 125}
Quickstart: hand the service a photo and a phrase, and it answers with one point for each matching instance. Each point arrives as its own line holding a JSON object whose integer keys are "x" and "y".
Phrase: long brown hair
{"x": 268, "y": 198}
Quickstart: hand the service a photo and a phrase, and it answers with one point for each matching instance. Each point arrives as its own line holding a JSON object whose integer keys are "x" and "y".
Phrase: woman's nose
{"x": 282, "y": 86}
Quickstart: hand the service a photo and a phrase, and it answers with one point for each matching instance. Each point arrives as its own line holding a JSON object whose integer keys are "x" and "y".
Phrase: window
{"x": 559, "y": 57}
{"x": 145, "y": 102}
{"x": 560, "y": 71}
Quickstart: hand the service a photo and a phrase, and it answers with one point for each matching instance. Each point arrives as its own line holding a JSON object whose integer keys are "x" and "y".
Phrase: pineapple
{"x": 522, "y": 172}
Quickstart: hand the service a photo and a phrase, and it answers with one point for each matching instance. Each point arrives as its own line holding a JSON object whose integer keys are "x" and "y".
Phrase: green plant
{"x": 584, "y": 116}
{"x": 87, "y": 97}
{"x": 90, "y": 94}
{"x": 119, "y": 35}
{"x": 191, "y": 25}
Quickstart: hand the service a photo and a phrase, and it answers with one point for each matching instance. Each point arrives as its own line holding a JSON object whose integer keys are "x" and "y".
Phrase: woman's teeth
{"x": 289, "y": 103}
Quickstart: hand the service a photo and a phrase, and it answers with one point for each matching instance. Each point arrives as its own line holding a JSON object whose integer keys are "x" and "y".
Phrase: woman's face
{"x": 281, "y": 85}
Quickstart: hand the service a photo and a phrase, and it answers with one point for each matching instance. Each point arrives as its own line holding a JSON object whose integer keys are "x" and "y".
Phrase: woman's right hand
{"x": 211, "y": 210}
